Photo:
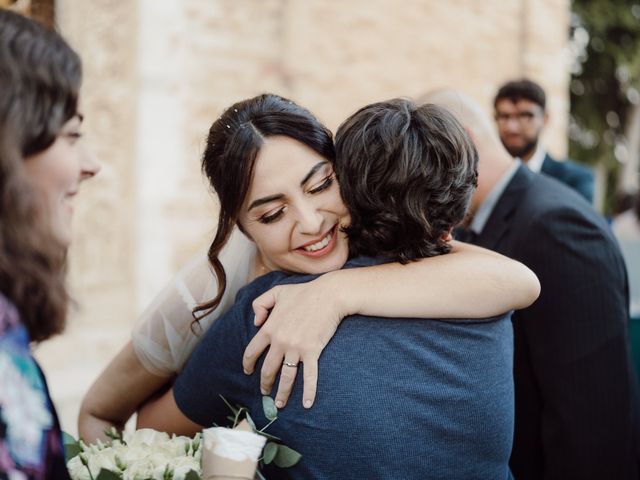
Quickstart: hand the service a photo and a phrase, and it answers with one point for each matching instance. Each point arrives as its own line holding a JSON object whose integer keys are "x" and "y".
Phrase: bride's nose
{"x": 309, "y": 219}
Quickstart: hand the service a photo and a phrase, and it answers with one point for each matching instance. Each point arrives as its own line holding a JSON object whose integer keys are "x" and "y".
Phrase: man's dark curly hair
{"x": 407, "y": 174}
{"x": 524, "y": 89}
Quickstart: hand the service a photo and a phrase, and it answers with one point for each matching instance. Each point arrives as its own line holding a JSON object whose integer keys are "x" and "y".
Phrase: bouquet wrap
{"x": 230, "y": 453}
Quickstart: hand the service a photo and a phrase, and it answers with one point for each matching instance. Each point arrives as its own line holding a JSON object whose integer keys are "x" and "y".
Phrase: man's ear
{"x": 471, "y": 134}
{"x": 545, "y": 117}
{"x": 448, "y": 236}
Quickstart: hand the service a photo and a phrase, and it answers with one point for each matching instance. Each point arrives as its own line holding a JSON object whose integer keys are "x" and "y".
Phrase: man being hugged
{"x": 398, "y": 397}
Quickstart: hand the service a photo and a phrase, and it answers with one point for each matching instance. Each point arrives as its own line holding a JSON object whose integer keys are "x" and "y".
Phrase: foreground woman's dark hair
{"x": 39, "y": 81}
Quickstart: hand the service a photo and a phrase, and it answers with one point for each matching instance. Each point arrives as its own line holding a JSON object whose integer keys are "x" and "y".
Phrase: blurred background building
{"x": 157, "y": 73}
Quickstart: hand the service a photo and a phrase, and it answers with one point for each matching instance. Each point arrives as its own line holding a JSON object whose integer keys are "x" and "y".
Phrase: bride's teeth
{"x": 318, "y": 245}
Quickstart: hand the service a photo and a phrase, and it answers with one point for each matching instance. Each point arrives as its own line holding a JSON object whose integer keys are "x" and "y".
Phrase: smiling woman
{"x": 42, "y": 164}
{"x": 271, "y": 164}
{"x": 57, "y": 172}
{"x": 295, "y": 214}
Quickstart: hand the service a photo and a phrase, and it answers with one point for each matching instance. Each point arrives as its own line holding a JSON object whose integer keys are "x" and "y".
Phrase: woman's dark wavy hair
{"x": 233, "y": 144}
{"x": 407, "y": 174}
{"x": 40, "y": 78}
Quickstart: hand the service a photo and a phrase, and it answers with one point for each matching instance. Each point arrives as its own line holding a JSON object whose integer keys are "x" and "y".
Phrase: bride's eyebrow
{"x": 278, "y": 196}
{"x": 313, "y": 171}
{"x": 263, "y": 200}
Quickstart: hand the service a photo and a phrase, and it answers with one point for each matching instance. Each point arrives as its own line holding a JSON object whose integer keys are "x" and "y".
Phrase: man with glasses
{"x": 520, "y": 113}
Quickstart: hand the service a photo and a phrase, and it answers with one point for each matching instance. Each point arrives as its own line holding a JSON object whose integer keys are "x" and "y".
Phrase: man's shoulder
{"x": 567, "y": 167}
{"x": 260, "y": 285}
{"x": 541, "y": 203}
{"x": 546, "y": 195}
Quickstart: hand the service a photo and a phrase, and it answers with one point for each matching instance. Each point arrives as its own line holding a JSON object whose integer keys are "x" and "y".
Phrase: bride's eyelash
{"x": 271, "y": 218}
{"x": 326, "y": 183}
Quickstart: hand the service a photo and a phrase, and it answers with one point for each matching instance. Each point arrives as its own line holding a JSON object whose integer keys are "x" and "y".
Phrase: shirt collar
{"x": 535, "y": 162}
{"x": 486, "y": 207}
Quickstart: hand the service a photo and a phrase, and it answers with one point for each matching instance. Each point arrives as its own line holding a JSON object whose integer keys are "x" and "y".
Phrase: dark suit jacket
{"x": 575, "y": 176}
{"x": 577, "y": 397}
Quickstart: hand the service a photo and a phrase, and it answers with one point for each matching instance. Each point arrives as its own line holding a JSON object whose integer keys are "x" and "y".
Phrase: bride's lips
{"x": 324, "y": 250}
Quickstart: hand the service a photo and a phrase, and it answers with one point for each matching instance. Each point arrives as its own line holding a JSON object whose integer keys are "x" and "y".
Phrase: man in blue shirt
{"x": 400, "y": 398}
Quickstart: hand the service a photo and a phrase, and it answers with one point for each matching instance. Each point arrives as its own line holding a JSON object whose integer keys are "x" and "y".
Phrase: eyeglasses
{"x": 523, "y": 118}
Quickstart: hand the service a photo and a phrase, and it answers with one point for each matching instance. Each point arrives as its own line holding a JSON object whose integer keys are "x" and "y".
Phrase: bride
{"x": 468, "y": 282}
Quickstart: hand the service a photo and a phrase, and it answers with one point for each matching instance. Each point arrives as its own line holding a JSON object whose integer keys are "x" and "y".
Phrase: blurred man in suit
{"x": 577, "y": 401}
{"x": 521, "y": 115}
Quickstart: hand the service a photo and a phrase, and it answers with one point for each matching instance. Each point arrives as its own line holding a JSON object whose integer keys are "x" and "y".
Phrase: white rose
{"x": 77, "y": 470}
{"x": 160, "y": 459}
{"x": 177, "y": 446}
{"x": 103, "y": 459}
{"x": 183, "y": 465}
{"x": 132, "y": 453}
{"x": 140, "y": 470}
{"x": 145, "y": 436}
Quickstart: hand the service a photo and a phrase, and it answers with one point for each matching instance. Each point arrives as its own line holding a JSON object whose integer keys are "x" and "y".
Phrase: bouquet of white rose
{"x": 143, "y": 454}
{"x": 147, "y": 454}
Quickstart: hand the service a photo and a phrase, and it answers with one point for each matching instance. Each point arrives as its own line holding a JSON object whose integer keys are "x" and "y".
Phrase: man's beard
{"x": 524, "y": 150}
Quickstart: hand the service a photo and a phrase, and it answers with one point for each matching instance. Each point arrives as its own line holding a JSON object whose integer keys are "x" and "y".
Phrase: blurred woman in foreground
{"x": 42, "y": 163}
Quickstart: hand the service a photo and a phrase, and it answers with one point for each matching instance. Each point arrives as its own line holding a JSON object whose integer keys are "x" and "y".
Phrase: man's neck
{"x": 536, "y": 159}
{"x": 489, "y": 177}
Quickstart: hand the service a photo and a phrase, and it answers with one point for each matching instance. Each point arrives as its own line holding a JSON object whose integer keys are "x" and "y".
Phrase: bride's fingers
{"x": 310, "y": 376}
{"x": 270, "y": 368}
{"x": 262, "y": 305}
{"x": 287, "y": 378}
{"x": 257, "y": 345}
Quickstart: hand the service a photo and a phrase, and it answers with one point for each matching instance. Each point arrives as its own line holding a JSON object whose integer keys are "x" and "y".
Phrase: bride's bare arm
{"x": 162, "y": 340}
{"x": 469, "y": 282}
{"x": 117, "y": 393}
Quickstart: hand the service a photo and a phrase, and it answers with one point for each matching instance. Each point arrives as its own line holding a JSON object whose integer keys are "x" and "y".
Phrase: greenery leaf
{"x": 71, "y": 446}
{"x": 192, "y": 475}
{"x": 269, "y": 407}
{"x": 107, "y": 475}
{"x": 231, "y": 407}
{"x": 66, "y": 438}
{"x": 270, "y": 451}
{"x": 250, "y": 421}
{"x": 286, "y": 457}
{"x": 268, "y": 436}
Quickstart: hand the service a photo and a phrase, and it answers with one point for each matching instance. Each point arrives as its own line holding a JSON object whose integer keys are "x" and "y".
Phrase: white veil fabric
{"x": 163, "y": 338}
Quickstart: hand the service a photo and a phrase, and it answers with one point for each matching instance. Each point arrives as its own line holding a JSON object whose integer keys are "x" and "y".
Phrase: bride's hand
{"x": 303, "y": 319}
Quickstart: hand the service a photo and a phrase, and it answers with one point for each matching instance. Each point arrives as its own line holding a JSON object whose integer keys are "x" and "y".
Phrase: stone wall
{"x": 158, "y": 73}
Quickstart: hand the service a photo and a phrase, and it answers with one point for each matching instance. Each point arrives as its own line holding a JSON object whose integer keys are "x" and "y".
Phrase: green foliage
{"x": 71, "y": 446}
{"x": 191, "y": 475}
{"x": 286, "y": 457}
{"x": 605, "y": 84}
{"x": 279, "y": 454}
{"x": 108, "y": 475}
{"x": 270, "y": 451}
{"x": 269, "y": 407}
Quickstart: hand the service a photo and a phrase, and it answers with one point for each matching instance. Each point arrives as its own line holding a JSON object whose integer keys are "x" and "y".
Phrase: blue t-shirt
{"x": 397, "y": 398}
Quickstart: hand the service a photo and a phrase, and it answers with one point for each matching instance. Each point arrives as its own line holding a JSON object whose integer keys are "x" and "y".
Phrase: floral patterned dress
{"x": 30, "y": 438}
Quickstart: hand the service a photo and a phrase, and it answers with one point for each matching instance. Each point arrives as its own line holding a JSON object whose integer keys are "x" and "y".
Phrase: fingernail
{"x": 254, "y": 319}
{"x": 263, "y": 391}
{"x": 247, "y": 372}
{"x": 279, "y": 403}
{"x": 308, "y": 403}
